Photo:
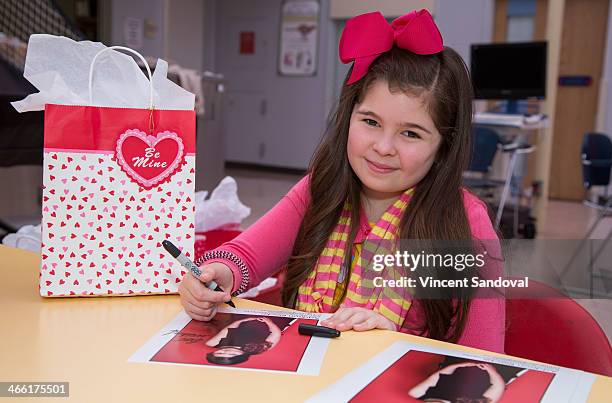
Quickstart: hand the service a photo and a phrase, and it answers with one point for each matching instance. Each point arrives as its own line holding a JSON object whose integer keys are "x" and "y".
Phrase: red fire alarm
{"x": 247, "y": 42}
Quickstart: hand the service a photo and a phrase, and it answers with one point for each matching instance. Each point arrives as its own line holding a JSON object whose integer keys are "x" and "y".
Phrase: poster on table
{"x": 239, "y": 339}
{"x": 411, "y": 373}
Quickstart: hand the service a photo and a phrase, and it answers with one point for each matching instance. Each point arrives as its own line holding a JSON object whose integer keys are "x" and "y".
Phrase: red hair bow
{"x": 367, "y": 36}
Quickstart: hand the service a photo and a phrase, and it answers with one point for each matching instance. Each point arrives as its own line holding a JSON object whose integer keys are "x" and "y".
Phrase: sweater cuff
{"x": 238, "y": 268}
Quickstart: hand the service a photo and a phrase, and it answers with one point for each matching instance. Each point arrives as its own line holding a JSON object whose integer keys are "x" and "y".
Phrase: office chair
{"x": 547, "y": 326}
{"x": 596, "y": 156}
{"x": 486, "y": 144}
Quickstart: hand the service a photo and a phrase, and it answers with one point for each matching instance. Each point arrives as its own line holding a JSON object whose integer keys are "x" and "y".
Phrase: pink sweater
{"x": 266, "y": 246}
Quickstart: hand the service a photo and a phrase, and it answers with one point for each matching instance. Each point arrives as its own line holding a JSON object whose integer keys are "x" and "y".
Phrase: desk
{"x": 524, "y": 133}
{"x": 87, "y": 342}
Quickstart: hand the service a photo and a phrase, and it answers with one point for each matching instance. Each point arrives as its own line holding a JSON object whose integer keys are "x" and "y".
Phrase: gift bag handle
{"x": 91, "y": 67}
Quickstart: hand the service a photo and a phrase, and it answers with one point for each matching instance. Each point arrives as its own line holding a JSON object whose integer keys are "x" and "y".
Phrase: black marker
{"x": 317, "y": 331}
{"x": 189, "y": 265}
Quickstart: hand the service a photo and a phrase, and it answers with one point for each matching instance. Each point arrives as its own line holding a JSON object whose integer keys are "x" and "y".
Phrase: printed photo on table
{"x": 257, "y": 340}
{"x": 409, "y": 373}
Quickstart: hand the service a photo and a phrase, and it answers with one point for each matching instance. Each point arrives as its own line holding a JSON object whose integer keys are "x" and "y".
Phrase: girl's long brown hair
{"x": 436, "y": 210}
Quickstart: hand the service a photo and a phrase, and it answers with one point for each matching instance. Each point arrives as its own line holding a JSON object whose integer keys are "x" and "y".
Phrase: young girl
{"x": 391, "y": 163}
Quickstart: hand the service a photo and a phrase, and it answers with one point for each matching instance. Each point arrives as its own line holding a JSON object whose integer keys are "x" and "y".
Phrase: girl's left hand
{"x": 358, "y": 319}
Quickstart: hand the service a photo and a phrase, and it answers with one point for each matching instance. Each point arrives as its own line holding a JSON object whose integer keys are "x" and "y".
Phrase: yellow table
{"x": 87, "y": 342}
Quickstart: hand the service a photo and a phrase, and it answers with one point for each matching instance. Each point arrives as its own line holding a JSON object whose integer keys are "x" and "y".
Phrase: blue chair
{"x": 486, "y": 143}
{"x": 596, "y": 163}
{"x": 596, "y": 156}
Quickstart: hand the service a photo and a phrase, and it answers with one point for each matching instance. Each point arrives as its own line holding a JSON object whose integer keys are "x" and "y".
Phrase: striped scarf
{"x": 316, "y": 294}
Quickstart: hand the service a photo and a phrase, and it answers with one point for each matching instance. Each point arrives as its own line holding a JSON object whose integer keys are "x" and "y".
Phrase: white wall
{"x": 342, "y": 9}
{"x": 152, "y": 12}
{"x": 464, "y": 22}
{"x": 173, "y": 29}
{"x": 209, "y": 29}
{"x": 185, "y": 32}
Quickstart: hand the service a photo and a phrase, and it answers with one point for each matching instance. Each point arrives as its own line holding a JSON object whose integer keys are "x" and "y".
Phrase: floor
{"x": 566, "y": 223}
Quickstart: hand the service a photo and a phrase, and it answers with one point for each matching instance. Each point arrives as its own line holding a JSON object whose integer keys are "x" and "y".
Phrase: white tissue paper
{"x": 28, "y": 237}
{"x": 223, "y": 209}
{"x": 255, "y": 291}
{"x": 59, "y": 68}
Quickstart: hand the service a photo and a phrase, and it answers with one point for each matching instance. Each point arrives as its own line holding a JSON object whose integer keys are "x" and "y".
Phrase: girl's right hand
{"x": 199, "y": 301}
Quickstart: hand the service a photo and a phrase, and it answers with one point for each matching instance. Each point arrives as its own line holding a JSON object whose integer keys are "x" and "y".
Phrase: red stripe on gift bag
{"x": 94, "y": 128}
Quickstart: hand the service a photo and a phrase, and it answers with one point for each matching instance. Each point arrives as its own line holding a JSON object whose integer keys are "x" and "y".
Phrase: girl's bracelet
{"x": 223, "y": 254}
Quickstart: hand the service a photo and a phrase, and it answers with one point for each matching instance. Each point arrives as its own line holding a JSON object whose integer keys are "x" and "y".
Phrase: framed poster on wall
{"x": 298, "y": 38}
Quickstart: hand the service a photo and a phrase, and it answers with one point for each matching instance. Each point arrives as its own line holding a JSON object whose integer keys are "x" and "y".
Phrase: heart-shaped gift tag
{"x": 149, "y": 160}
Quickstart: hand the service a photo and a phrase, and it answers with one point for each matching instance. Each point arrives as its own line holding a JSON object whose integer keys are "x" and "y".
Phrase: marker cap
{"x": 317, "y": 331}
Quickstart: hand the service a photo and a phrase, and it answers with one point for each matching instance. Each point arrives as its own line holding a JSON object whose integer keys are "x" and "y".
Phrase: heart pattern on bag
{"x": 102, "y": 232}
{"x": 149, "y": 160}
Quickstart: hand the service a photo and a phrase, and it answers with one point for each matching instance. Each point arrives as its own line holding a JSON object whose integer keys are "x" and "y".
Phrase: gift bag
{"x": 117, "y": 181}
